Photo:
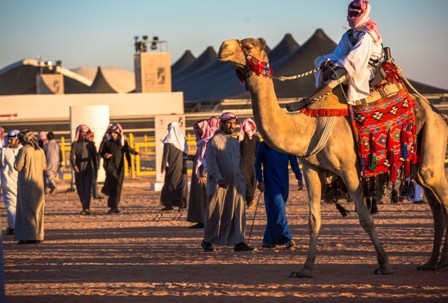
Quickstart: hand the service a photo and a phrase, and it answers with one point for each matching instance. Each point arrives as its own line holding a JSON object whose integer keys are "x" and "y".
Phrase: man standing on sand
{"x": 84, "y": 161}
{"x": 113, "y": 151}
{"x": 30, "y": 163}
{"x": 9, "y": 178}
{"x": 53, "y": 155}
{"x": 225, "y": 217}
{"x": 248, "y": 146}
{"x": 273, "y": 180}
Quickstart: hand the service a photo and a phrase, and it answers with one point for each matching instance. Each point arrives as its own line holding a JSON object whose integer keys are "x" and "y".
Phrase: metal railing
{"x": 141, "y": 165}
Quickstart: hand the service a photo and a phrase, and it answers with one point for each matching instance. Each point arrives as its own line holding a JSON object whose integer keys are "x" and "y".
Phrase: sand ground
{"x": 145, "y": 255}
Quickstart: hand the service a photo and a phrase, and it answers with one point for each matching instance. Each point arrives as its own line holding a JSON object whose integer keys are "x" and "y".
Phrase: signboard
{"x": 161, "y": 130}
{"x": 152, "y": 72}
{"x": 50, "y": 84}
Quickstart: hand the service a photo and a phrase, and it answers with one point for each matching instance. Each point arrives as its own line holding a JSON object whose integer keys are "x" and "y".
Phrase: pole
{"x": 253, "y": 220}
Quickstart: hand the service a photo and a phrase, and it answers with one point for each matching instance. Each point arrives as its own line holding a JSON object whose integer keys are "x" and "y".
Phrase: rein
{"x": 262, "y": 68}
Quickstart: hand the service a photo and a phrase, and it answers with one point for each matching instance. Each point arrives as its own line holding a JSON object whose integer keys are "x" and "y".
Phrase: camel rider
{"x": 354, "y": 59}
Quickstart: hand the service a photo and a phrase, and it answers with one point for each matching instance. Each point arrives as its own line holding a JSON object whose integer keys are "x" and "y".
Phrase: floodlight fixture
{"x": 140, "y": 46}
{"x": 155, "y": 41}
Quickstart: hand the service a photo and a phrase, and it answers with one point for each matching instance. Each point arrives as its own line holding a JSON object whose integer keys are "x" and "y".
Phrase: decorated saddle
{"x": 385, "y": 129}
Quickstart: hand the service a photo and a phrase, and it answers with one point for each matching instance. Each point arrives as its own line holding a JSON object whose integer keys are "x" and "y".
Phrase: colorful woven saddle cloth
{"x": 331, "y": 105}
{"x": 334, "y": 104}
{"x": 386, "y": 135}
{"x": 386, "y": 127}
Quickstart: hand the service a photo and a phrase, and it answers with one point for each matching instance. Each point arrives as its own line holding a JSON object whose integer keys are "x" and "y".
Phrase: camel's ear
{"x": 262, "y": 43}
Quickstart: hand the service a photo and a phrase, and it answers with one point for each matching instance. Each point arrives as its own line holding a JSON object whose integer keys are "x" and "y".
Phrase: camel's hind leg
{"x": 354, "y": 186}
{"x": 439, "y": 228}
{"x": 431, "y": 175}
{"x": 314, "y": 188}
{"x": 443, "y": 262}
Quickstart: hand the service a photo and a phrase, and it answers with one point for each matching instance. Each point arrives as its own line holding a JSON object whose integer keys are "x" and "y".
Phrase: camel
{"x": 299, "y": 134}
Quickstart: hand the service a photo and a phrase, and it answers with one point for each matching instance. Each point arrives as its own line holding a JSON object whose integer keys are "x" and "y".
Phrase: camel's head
{"x": 235, "y": 51}
{"x": 247, "y": 55}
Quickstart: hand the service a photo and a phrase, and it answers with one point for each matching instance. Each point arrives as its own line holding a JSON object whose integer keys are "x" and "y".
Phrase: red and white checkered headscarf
{"x": 79, "y": 128}
{"x": 202, "y": 142}
{"x": 2, "y": 137}
{"x": 358, "y": 17}
{"x": 213, "y": 122}
{"x": 227, "y": 116}
{"x": 247, "y": 127}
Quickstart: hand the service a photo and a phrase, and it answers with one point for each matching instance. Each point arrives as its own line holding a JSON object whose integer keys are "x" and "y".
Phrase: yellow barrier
{"x": 147, "y": 148}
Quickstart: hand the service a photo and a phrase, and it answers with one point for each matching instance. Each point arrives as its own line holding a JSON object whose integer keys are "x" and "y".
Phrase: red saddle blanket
{"x": 386, "y": 132}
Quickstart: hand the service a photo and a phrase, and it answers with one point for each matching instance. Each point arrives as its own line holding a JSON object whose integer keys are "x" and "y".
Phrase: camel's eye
{"x": 248, "y": 46}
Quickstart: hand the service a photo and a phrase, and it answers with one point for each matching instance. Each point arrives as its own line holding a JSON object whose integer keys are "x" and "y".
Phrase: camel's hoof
{"x": 443, "y": 262}
{"x": 384, "y": 270}
{"x": 301, "y": 274}
{"x": 442, "y": 265}
{"x": 428, "y": 267}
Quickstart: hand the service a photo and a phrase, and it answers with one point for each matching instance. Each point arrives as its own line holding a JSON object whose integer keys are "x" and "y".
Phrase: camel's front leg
{"x": 351, "y": 180}
{"x": 314, "y": 188}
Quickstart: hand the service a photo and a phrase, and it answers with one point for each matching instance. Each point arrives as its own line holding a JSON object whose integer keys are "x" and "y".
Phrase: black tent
{"x": 286, "y": 46}
{"x": 218, "y": 80}
{"x": 206, "y": 57}
{"x": 426, "y": 89}
{"x": 182, "y": 62}
{"x": 300, "y": 61}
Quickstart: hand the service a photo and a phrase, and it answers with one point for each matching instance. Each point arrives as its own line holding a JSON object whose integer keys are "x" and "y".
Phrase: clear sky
{"x": 95, "y": 33}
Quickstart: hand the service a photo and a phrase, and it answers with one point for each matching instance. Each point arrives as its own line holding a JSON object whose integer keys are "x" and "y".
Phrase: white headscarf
{"x": 175, "y": 137}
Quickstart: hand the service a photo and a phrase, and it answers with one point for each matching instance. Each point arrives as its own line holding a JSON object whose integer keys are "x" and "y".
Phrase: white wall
{"x": 37, "y": 107}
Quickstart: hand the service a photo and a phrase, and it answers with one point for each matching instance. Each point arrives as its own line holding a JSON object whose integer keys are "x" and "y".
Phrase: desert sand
{"x": 146, "y": 255}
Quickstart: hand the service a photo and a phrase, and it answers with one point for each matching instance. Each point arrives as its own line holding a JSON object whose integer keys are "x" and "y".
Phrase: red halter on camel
{"x": 254, "y": 65}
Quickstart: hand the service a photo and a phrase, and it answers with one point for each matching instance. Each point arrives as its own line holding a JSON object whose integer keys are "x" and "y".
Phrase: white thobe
{"x": 225, "y": 217}
{"x": 355, "y": 59}
{"x": 9, "y": 178}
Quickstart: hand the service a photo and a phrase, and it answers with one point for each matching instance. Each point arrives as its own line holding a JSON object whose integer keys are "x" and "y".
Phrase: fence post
{"x": 131, "y": 144}
{"x": 63, "y": 150}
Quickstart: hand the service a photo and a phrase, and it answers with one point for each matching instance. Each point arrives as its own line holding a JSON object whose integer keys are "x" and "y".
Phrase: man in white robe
{"x": 225, "y": 218}
{"x": 53, "y": 156}
{"x": 30, "y": 163}
{"x": 9, "y": 178}
{"x": 352, "y": 60}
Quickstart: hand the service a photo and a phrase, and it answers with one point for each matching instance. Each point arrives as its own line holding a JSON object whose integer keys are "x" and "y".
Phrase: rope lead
{"x": 294, "y": 77}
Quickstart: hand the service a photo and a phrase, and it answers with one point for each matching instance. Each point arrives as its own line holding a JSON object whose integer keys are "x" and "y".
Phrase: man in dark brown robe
{"x": 113, "y": 151}
{"x": 83, "y": 158}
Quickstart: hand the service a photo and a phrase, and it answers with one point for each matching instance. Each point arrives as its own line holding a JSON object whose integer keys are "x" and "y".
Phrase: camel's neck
{"x": 289, "y": 133}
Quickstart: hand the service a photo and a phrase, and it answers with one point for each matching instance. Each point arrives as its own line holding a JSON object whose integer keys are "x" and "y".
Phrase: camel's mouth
{"x": 224, "y": 55}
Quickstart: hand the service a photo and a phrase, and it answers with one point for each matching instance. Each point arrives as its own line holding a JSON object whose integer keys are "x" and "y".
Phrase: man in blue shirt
{"x": 274, "y": 181}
